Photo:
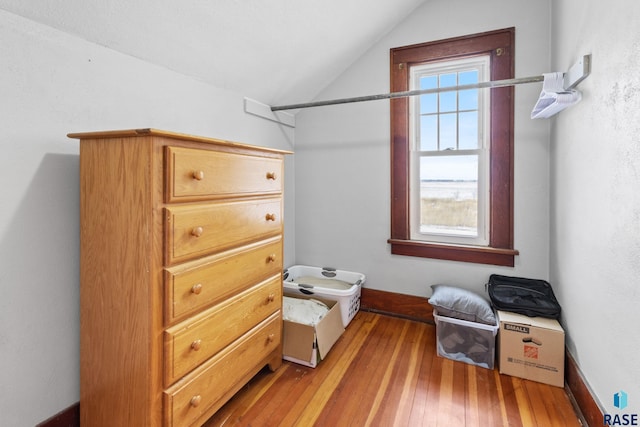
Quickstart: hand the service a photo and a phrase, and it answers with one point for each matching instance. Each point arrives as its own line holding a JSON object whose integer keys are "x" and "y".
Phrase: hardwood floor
{"x": 384, "y": 371}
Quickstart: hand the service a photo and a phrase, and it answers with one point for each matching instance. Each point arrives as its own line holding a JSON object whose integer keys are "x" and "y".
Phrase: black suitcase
{"x": 531, "y": 297}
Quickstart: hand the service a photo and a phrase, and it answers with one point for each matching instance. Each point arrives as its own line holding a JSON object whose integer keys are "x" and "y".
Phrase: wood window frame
{"x": 500, "y": 46}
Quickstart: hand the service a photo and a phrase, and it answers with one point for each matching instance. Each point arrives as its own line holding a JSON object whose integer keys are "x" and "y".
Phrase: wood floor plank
{"x": 546, "y": 404}
{"x": 419, "y": 404}
{"x": 523, "y": 403}
{"x": 541, "y": 408}
{"x": 502, "y": 405}
{"x": 472, "y": 410}
{"x": 264, "y": 382}
{"x": 382, "y": 395}
{"x": 339, "y": 362}
{"x": 445, "y": 394}
{"x": 451, "y": 410}
{"x": 292, "y": 383}
{"x": 395, "y": 400}
{"x": 491, "y": 409}
{"x": 385, "y": 371}
{"x": 560, "y": 401}
{"x": 509, "y": 401}
{"x": 409, "y": 377}
{"x": 374, "y": 359}
{"x": 433, "y": 392}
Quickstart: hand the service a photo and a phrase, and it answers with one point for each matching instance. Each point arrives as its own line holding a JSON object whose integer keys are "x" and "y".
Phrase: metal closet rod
{"x": 578, "y": 72}
{"x": 490, "y": 84}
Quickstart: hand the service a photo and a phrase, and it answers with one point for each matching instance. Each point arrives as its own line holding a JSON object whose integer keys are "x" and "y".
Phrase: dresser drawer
{"x": 195, "y": 231}
{"x": 209, "y": 387}
{"x": 193, "y": 174}
{"x": 195, "y": 340}
{"x": 191, "y": 287}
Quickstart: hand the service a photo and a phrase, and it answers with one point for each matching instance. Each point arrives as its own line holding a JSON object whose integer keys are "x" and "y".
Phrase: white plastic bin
{"x": 470, "y": 342}
{"x": 329, "y": 283}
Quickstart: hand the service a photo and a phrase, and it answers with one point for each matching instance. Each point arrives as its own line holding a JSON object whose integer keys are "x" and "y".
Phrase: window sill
{"x": 474, "y": 254}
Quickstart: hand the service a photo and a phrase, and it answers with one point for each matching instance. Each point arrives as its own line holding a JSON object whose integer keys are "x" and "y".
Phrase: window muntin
{"x": 449, "y": 153}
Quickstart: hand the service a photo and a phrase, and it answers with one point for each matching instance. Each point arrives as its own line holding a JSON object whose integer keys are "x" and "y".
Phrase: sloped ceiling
{"x": 274, "y": 51}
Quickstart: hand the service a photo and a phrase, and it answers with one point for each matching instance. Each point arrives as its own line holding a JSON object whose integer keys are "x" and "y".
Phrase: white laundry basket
{"x": 329, "y": 283}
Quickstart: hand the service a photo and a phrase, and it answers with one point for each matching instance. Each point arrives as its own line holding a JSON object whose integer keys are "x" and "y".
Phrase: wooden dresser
{"x": 181, "y": 274}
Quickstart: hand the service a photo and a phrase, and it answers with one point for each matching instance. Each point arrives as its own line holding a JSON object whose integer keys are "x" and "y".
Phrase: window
{"x": 448, "y": 154}
{"x": 452, "y": 151}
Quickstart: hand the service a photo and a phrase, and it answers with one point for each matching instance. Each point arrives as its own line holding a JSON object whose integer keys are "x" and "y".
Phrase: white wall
{"x": 52, "y": 84}
{"x": 342, "y": 157}
{"x": 595, "y": 204}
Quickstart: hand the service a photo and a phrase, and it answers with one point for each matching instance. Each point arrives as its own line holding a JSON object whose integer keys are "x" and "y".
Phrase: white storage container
{"x": 329, "y": 283}
{"x": 470, "y": 342}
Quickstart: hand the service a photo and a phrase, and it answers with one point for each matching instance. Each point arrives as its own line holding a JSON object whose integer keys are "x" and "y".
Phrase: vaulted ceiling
{"x": 275, "y": 51}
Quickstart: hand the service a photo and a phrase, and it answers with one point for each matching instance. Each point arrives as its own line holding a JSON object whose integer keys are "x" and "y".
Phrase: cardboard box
{"x": 308, "y": 345}
{"x": 531, "y": 348}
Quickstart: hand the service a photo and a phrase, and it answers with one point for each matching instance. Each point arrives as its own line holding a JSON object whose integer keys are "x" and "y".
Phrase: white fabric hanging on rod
{"x": 554, "y": 97}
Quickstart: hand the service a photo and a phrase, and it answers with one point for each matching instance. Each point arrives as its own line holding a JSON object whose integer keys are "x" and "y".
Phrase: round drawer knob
{"x": 270, "y": 217}
{"x": 272, "y": 258}
{"x": 197, "y": 231}
{"x": 195, "y": 400}
{"x": 198, "y": 175}
{"x": 196, "y": 345}
{"x": 271, "y": 297}
{"x": 196, "y": 289}
{"x": 271, "y": 337}
{"x": 271, "y": 175}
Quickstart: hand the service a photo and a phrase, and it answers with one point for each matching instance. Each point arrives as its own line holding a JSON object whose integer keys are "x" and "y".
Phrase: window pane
{"x": 468, "y": 130}
{"x": 449, "y": 195}
{"x": 468, "y": 99}
{"x": 449, "y": 168}
{"x": 429, "y": 103}
{"x": 448, "y": 79}
{"x": 448, "y": 131}
{"x": 448, "y": 100}
{"x": 428, "y": 133}
{"x": 468, "y": 77}
{"x": 428, "y": 82}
